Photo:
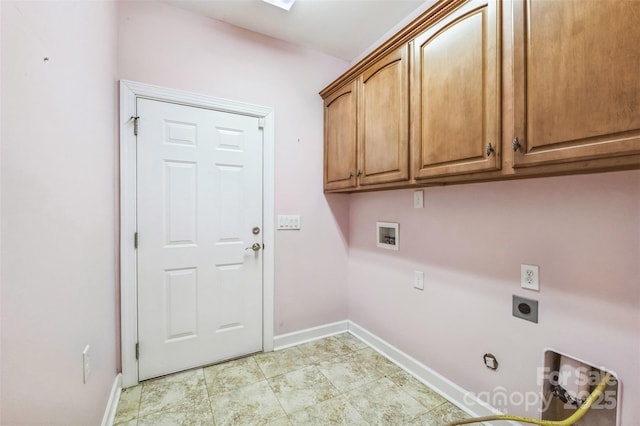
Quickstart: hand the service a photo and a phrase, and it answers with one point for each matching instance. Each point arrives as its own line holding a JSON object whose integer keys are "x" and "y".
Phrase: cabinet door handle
{"x": 490, "y": 150}
{"x": 359, "y": 173}
{"x": 350, "y": 175}
{"x": 515, "y": 144}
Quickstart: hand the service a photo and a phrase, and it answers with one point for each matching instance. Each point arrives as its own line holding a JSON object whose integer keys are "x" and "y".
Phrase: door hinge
{"x": 137, "y": 350}
{"x": 135, "y": 240}
{"x": 135, "y": 125}
{"x": 260, "y": 122}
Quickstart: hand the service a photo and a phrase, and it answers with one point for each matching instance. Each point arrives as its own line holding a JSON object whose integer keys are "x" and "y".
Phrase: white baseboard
{"x": 303, "y": 336}
{"x": 112, "y": 404}
{"x": 445, "y": 387}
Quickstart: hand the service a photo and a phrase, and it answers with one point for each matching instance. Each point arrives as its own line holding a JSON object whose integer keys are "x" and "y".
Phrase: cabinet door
{"x": 456, "y": 93}
{"x": 340, "y": 138}
{"x": 577, "y": 80}
{"x": 384, "y": 120}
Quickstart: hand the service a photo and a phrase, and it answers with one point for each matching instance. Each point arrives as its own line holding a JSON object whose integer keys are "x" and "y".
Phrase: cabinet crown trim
{"x": 432, "y": 15}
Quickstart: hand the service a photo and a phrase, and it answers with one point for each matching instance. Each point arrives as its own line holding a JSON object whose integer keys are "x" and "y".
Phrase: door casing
{"x": 129, "y": 92}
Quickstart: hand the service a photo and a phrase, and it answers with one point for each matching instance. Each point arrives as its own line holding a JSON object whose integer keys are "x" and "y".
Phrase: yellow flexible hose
{"x": 580, "y": 412}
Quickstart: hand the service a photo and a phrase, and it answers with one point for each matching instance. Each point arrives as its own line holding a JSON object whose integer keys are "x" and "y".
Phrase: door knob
{"x": 254, "y": 247}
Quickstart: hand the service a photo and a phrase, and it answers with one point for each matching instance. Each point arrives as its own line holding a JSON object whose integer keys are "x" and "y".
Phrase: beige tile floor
{"x": 338, "y": 380}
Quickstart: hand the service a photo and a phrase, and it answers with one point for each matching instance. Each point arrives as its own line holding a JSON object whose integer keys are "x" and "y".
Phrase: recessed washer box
{"x": 387, "y": 235}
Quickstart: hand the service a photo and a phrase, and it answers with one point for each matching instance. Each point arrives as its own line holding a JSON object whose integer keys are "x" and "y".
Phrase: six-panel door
{"x": 199, "y": 185}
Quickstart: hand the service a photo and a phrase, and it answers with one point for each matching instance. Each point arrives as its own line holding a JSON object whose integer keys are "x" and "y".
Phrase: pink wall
{"x": 58, "y": 177}
{"x": 583, "y": 232}
{"x": 162, "y": 45}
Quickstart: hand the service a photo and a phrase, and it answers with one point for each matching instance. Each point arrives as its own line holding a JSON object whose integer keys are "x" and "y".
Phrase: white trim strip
{"x": 128, "y": 259}
{"x": 112, "y": 405}
{"x": 268, "y": 229}
{"x": 445, "y": 387}
{"x": 310, "y": 334}
{"x": 197, "y": 100}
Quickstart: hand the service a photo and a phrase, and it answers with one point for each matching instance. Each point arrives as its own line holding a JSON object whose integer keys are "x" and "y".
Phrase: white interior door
{"x": 199, "y": 207}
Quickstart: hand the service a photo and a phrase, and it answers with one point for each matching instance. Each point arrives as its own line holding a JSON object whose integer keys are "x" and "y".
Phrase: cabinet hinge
{"x": 260, "y": 122}
{"x": 135, "y": 240}
{"x": 135, "y": 125}
{"x": 137, "y": 350}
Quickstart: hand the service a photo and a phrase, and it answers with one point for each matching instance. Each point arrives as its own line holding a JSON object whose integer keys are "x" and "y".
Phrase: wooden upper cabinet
{"x": 340, "y": 138}
{"x": 383, "y": 122}
{"x": 576, "y": 80}
{"x": 443, "y": 99}
{"x": 456, "y": 93}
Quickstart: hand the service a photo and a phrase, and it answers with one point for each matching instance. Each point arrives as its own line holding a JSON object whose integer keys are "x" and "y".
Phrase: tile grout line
{"x": 209, "y": 396}
{"x": 353, "y": 351}
{"x": 278, "y": 399}
{"x": 315, "y": 365}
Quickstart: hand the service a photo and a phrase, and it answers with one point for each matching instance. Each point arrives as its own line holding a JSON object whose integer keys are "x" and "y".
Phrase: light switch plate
{"x": 418, "y": 199}
{"x": 289, "y": 221}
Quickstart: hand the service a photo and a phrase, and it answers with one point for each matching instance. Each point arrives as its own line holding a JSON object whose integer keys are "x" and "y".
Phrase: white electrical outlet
{"x": 418, "y": 199}
{"x": 418, "y": 280}
{"x": 529, "y": 277}
{"x": 86, "y": 364}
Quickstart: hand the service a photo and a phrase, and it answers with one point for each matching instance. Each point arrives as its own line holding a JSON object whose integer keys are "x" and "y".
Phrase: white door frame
{"x": 129, "y": 92}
